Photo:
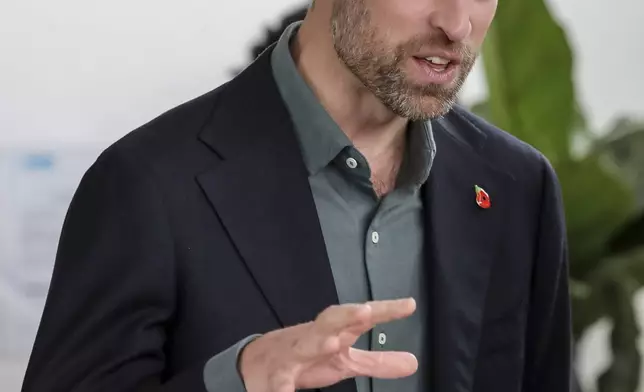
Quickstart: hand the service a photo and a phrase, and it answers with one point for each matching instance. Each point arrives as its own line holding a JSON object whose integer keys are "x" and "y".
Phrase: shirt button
{"x": 352, "y": 163}
{"x": 382, "y": 339}
{"x": 375, "y": 237}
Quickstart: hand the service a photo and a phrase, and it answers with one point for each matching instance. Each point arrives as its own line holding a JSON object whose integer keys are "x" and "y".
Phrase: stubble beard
{"x": 380, "y": 68}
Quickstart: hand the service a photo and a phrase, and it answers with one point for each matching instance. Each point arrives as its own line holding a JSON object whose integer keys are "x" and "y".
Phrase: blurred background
{"x": 563, "y": 75}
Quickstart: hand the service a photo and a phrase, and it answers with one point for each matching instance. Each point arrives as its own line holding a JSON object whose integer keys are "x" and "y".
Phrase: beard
{"x": 379, "y": 65}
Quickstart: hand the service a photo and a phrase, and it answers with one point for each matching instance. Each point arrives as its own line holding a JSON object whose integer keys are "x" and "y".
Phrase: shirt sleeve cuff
{"x": 221, "y": 372}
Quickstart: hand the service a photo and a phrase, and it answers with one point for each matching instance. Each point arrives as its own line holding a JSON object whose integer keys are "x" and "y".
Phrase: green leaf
{"x": 592, "y": 298}
{"x": 623, "y": 146}
{"x": 597, "y": 203}
{"x": 528, "y": 64}
{"x": 630, "y": 263}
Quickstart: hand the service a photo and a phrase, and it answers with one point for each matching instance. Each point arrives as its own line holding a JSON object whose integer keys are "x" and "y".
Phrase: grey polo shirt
{"x": 375, "y": 245}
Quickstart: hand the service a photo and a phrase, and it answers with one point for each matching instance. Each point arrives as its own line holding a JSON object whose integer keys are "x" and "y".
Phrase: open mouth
{"x": 436, "y": 69}
{"x": 438, "y": 64}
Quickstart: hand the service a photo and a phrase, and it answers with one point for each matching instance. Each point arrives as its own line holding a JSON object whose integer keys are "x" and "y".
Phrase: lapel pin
{"x": 482, "y": 198}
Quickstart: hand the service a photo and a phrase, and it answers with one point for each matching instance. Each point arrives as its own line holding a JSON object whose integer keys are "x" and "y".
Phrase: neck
{"x": 375, "y": 130}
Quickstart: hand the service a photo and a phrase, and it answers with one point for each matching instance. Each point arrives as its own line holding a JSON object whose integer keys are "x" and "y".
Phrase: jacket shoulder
{"x": 501, "y": 149}
{"x": 168, "y": 143}
{"x": 171, "y": 128}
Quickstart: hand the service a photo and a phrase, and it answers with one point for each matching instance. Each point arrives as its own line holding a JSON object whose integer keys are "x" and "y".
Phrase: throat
{"x": 384, "y": 181}
{"x": 382, "y": 189}
{"x": 385, "y": 161}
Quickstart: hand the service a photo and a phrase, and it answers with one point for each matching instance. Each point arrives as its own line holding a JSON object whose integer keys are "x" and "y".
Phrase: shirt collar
{"x": 321, "y": 139}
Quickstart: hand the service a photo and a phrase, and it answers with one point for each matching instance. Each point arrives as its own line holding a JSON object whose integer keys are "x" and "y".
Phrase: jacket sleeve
{"x": 548, "y": 364}
{"x": 111, "y": 299}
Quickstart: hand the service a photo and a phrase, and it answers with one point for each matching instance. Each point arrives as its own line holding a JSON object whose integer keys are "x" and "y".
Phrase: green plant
{"x": 624, "y": 146}
{"x": 529, "y": 69}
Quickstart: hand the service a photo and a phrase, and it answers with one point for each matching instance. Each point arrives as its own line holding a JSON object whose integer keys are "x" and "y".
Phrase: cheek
{"x": 481, "y": 20}
{"x": 399, "y": 18}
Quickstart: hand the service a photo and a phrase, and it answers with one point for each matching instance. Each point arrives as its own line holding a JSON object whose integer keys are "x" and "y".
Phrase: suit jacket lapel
{"x": 463, "y": 243}
{"x": 262, "y": 196}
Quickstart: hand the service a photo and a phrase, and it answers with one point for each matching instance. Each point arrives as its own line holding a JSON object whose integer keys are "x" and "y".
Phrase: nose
{"x": 453, "y": 18}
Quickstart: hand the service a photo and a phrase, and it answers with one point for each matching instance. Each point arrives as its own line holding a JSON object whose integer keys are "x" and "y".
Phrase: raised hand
{"x": 320, "y": 353}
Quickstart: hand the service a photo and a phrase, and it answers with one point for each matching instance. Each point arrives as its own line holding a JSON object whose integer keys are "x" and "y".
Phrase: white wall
{"x": 83, "y": 72}
{"x": 79, "y": 70}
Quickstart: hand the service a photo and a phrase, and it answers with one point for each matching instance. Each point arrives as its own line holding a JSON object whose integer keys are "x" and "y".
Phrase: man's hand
{"x": 319, "y": 353}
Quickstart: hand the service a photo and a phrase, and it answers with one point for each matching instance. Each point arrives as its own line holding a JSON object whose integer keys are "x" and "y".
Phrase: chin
{"x": 430, "y": 108}
{"x": 417, "y": 102}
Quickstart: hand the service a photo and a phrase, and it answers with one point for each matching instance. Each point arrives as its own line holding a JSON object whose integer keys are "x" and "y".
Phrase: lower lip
{"x": 430, "y": 74}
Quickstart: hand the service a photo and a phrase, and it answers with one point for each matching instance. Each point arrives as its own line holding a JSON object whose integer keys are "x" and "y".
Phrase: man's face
{"x": 414, "y": 55}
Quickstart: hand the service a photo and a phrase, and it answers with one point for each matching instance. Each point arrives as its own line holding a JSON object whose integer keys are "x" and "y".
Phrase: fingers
{"x": 338, "y": 318}
{"x": 323, "y": 337}
{"x": 386, "y": 311}
{"x": 383, "y": 312}
{"x": 340, "y": 325}
{"x": 383, "y": 364}
{"x": 320, "y": 352}
{"x": 362, "y": 317}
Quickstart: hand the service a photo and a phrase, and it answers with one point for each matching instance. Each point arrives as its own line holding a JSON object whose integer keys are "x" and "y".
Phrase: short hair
{"x": 272, "y": 35}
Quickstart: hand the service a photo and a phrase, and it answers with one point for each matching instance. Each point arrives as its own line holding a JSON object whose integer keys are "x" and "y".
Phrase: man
{"x": 327, "y": 219}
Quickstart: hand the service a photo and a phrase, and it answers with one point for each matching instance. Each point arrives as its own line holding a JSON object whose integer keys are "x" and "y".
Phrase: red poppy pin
{"x": 482, "y": 198}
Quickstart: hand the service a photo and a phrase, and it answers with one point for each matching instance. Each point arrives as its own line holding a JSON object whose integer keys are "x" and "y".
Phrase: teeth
{"x": 437, "y": 60}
